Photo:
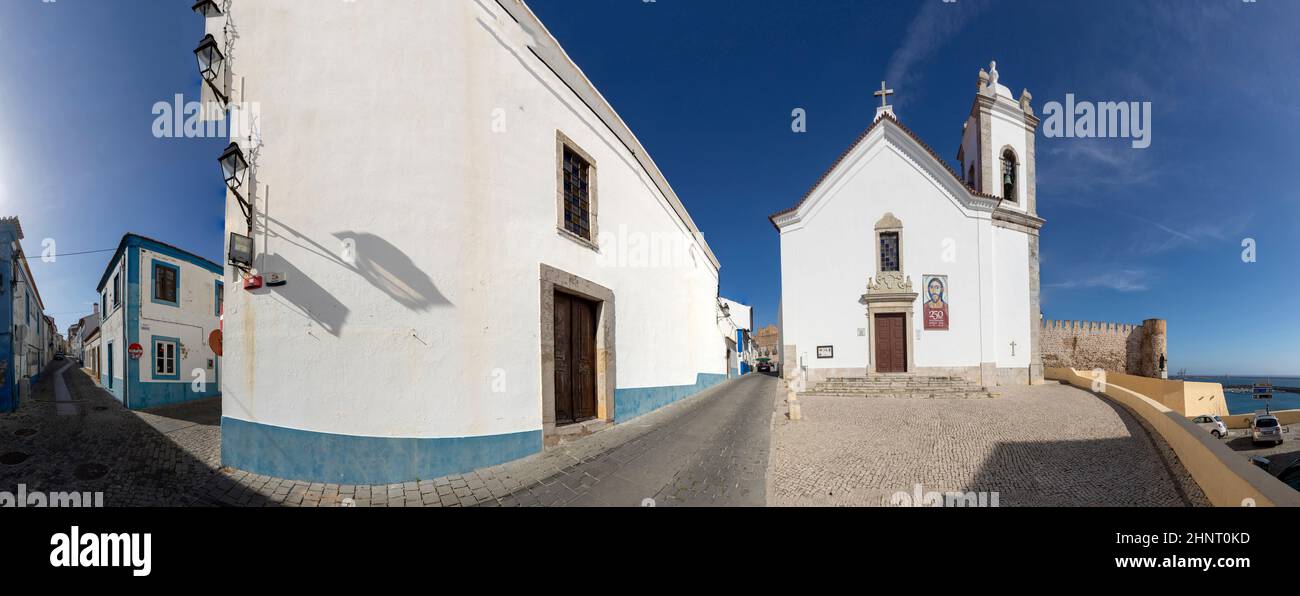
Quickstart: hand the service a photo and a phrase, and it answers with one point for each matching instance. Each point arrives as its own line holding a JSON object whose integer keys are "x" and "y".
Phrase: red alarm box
{"x": 252, "y": 282}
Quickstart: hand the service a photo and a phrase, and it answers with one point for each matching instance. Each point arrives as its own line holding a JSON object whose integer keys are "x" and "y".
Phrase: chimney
{"x": 96, "y": 311}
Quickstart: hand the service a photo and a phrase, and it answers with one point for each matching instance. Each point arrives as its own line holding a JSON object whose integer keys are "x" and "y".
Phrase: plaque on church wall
{"x": 825, "y": 351}
{"x": 936, "y": 302}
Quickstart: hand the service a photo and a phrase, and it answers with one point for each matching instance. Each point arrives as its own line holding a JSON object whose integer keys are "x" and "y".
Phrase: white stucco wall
{"x": 190, "y": 322}
{"x": 1011, "y": 266}
{"x": 409, "y": 157}
{"x": 110, "y": 329}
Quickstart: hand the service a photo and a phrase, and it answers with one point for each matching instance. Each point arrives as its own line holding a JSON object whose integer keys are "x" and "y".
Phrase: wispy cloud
{"x": 1090, "y": 163}
{"x": 1122, "y": 280}
{"x": 930, "y": 30}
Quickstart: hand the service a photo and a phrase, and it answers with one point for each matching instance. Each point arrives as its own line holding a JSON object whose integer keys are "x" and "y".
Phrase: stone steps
{"x": 902, "y": 386}
{"x": 901, "y": 394}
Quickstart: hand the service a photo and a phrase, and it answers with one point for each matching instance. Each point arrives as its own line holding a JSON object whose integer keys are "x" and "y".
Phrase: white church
{"x": 894, "y": 263}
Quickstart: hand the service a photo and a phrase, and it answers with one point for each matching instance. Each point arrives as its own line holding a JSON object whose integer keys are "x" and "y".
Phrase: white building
{"x": 479, "y": 257}
{"x": 737, "y": 326}
{"x": 164, "y": 303}
{"x": 891, "y": 224}
{"x": 23, "y": 325}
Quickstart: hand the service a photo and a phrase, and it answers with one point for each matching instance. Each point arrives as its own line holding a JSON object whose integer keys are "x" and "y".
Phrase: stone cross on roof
{"x": 884, "y": 94}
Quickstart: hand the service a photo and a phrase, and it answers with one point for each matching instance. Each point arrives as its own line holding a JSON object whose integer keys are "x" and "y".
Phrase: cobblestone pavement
{"x": 710, "y": 449}
{"x": 1049, "y": 445}
{"x": 92, "y": 444}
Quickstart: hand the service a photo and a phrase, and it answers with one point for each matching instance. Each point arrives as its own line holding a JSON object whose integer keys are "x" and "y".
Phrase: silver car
{"x": 1265, "y": 428}
{"x": 1213, "y": 424}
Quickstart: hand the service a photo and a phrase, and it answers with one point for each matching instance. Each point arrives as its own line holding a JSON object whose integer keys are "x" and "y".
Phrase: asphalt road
{"x": 711, "y": 451}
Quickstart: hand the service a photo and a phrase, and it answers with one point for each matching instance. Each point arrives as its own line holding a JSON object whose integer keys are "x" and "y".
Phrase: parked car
{"x": 765, "y": 367}
{"x": 1213, "y": 424}
{"x": 58, "y": 355}
{"x": 1265, "y": 428}
{"x": 1291, "y": 475}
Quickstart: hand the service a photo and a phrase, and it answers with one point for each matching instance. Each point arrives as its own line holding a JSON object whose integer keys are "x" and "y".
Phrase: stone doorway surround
{"x": 553, "y": 280}
{"x": 890, "y": 292}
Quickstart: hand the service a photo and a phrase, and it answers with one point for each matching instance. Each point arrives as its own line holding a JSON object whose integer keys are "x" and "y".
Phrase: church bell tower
{"x": 997, "y": 146}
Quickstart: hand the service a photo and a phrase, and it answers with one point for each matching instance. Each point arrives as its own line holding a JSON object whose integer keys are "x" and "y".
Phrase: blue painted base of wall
{"x": 344, "y": 459}
{"x": 630, "y": 403}
{"x": 152, "y": 395}
{"x": 115, "y": 388}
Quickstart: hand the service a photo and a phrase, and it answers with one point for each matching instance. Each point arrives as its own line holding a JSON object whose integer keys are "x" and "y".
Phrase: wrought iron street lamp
{"x": 211, "y": 62}
{"x": 234, "y": 169}
{"x": 207, "y": 8}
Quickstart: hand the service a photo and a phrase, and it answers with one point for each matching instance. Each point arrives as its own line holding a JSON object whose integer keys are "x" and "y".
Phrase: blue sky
{"x": 709, "y": 85}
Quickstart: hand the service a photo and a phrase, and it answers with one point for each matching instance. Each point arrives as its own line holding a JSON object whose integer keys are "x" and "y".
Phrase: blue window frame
{"x": 166, "y": 283}
{"x": 166, "y": 358}
{"x": 218, "y": 298}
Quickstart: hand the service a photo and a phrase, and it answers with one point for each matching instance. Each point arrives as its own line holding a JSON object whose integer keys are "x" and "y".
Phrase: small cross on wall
{"x": 1013, "y": 348}
{"x": 884, "y": 94}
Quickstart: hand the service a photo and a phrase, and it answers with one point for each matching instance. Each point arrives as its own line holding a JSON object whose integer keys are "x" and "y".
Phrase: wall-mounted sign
{"x": 825, "y": 351}
{"x": 214, "y": 342}
{"x": 936, "y": 302}
{"x": 135, "y": 351}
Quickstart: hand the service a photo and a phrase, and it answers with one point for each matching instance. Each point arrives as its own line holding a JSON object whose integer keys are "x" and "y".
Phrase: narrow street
{"x": 710, "y": 449}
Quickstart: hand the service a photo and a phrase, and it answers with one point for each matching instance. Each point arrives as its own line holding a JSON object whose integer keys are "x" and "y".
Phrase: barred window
{"x": 889, "y": 251}
{"x": 577, "y": 194}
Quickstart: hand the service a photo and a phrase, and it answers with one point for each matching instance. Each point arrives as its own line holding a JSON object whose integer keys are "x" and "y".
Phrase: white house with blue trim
{"x": 23, "y": 325}
{"x": 478, "y": 258}
{"x": 167, "y": 301}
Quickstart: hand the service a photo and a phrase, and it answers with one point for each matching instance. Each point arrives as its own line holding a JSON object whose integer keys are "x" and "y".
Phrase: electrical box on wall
{"x": 252, "y": 282}
{"x": 276, "y": 279}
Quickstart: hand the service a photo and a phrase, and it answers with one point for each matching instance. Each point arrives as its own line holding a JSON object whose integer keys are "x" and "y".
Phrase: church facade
{"x": 895, "y": 263}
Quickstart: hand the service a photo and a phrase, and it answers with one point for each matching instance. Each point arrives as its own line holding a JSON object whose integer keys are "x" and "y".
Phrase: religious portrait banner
{"x": 936, "y": 302}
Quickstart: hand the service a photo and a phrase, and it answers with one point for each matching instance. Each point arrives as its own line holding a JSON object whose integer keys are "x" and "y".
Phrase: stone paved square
{"x": 1048, "y": 445}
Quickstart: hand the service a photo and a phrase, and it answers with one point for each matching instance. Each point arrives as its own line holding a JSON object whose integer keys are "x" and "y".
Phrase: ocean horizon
{"x": 1244, "y": 402}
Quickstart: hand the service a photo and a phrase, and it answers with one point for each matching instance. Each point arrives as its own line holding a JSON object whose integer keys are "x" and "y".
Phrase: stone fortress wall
{"x": 1118, "y": 347}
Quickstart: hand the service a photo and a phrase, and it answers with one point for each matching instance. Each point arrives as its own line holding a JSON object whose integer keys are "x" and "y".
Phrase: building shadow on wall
{"x": 377, "y": 261}
{"x": 1129, "y": 471}
{"x": 388, "y": 268}
{"x": 307, "y": 296}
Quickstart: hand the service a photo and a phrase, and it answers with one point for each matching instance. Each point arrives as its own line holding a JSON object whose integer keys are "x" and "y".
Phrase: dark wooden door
{"x": 575, "y": 359}
{"x": 891, "y": 343}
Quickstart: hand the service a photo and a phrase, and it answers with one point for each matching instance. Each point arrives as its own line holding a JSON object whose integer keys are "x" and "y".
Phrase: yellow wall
{"x": 1185, "y": 397}
{"x": 1226, "y": 476}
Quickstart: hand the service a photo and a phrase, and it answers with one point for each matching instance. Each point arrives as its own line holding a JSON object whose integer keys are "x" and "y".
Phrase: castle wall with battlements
{"x": 1135, "y": 349}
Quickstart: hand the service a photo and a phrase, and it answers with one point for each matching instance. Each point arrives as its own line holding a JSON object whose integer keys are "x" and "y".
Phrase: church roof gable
{"x": 885, "y": 118}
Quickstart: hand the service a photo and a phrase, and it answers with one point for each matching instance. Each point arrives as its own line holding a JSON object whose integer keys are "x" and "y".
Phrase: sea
{"x": 1240, "y": 401}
